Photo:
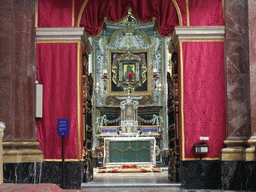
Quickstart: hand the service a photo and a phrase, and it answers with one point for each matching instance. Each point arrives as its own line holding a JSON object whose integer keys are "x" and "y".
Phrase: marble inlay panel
{"x": 52, "y": 173}
{"x": 238, "y": 175}
{"x": 250, "y": 175}
{"x": 200, "y": 174}
{"x": 22, "y": 172}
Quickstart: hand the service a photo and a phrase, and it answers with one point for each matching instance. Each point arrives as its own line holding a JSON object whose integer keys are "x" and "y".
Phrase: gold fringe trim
{"x": 36, "y": 14}
{"x": 182, "y": 102}
{"x": 187, "y": 9}
{"x": 79, "y": 79}
{"x": 73, "y": 13}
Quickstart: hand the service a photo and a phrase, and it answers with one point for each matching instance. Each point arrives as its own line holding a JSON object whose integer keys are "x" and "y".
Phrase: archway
{"x": 187, "y": 148}
{"x": 133, "y": 38}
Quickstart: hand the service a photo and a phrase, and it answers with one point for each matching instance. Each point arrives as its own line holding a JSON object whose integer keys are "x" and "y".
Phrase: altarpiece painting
{"x": 134, "y": 65}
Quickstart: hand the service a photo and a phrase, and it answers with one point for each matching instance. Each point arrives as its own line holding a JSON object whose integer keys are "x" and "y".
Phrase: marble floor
{"x": 135, "y": 182}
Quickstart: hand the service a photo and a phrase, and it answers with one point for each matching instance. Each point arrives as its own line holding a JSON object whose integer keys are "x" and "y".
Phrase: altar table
{"x": 127, "y": 150}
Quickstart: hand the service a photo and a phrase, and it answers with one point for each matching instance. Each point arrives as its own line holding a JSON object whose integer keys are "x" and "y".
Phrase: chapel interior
{"x": 127, "y": 94}
{"x": 127, "y": 101}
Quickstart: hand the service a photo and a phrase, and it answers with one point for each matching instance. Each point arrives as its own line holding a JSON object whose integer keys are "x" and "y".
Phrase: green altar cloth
{"x": 129, "y": 150}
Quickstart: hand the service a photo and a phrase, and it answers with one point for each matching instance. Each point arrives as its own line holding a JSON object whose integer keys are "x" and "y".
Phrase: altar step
{"x": 131, "y": 182}
{"x": 131, "y": 187}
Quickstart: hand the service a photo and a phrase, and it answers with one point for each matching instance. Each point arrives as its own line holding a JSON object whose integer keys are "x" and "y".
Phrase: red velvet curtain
{"x": 205, "y": 13}
{"x": 57, "y": 70}
{"x": 204, "y": 95}
{"x": 115, "y": 10}
{"x": 54, "y": 13}
{"x": 59, "y": 13}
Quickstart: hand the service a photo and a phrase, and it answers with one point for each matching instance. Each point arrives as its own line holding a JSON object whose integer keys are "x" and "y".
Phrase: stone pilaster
{"x": 250, "y": 152}
{"x": 237, "y": 80}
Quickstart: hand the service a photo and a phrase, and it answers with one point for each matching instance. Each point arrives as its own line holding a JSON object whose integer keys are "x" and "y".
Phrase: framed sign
{"x": 124, "y": 65}
{"x": 62, "y": 127}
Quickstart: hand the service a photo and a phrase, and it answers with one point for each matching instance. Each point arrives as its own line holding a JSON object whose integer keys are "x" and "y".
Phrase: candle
{"x": 154, "y": 70}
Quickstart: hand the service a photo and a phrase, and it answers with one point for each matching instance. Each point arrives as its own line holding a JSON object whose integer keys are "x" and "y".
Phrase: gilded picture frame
{"x": 121, "y": 63}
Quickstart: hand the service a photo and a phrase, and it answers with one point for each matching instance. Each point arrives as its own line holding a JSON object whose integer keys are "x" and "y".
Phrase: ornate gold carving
{"x": 114, "y": 75}
{"x": 146, "y": 75}
{"x": 113, "y": 36}
{"x": 143, "y": 35}
{"x": 21, "y": 152}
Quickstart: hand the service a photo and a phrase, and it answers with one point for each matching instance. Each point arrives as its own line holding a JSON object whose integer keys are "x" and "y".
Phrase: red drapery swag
{"x": 57, "y": 71}
{"x": 64, "y": 13}
{"x": 204, "y": 96}
{"x": 115, "y": 10}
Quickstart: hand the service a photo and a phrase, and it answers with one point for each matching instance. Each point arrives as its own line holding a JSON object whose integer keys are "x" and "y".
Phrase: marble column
{"x": 238, "y": 158}
{"x": 250, "y": 152}
{"x": 17, "y": 89}
{"x": 237, "y": 80}
{"x": 17, "y": 81}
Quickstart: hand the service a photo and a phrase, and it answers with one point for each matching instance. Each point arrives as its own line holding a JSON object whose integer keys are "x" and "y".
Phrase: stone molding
{"x": 22, "y": 152}
{"x": 64, "y": 34}
{"x": 196, "y": 33}
{"x": 251, "y": 151}
{"x": 235, "y": 150}
{"x": 200, "y": 33}
{"x": 59, "y": 34}
{"x": 239, "y": 150}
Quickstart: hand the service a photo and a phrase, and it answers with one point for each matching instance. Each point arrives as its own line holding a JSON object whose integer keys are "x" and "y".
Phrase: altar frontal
{"x": 127, "y": 150}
